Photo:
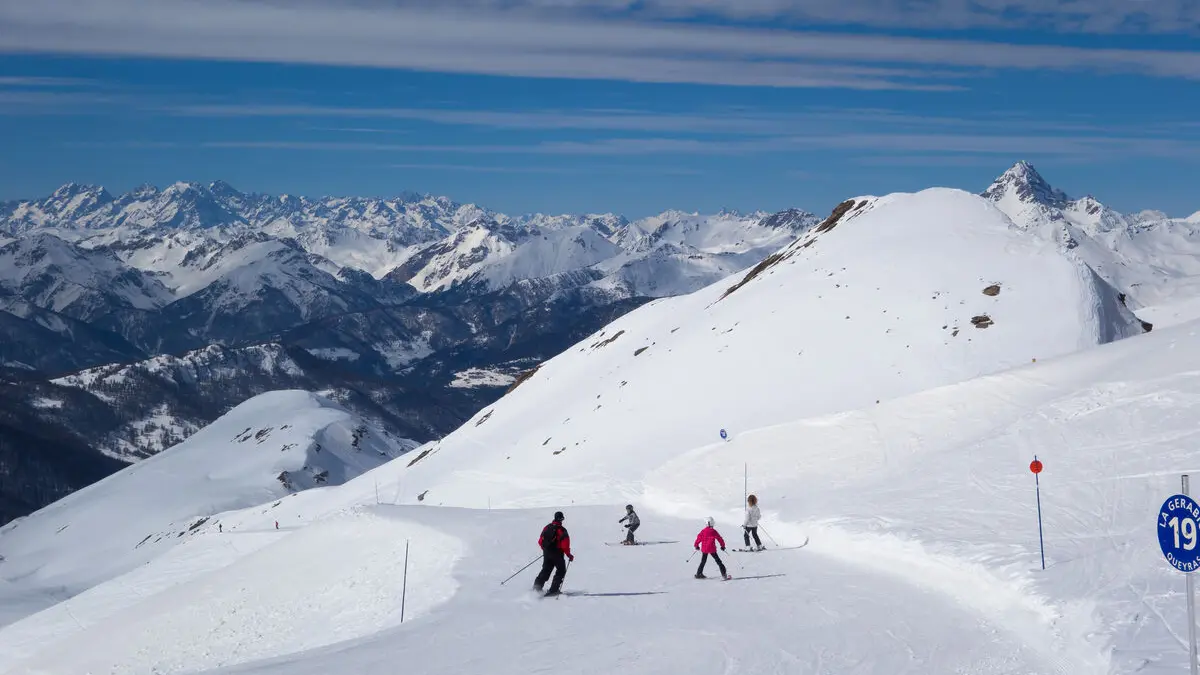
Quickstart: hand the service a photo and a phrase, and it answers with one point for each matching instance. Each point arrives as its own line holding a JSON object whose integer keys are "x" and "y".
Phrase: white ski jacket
{"x": 752, "y": 516}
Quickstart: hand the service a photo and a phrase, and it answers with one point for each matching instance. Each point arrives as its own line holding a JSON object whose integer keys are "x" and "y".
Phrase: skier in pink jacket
{"x": 706, "y": 543}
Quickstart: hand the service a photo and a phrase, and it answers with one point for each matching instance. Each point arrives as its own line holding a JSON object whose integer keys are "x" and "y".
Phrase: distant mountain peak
{"x": 72, "y": 189}
{"x": 1023, "y": 182}
{"x": 143, "y": 191}
{"x": 223, "y": 189}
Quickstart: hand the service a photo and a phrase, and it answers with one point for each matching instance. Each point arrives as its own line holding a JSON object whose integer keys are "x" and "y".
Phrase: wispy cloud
{"x": 479, "y": 168}
{"x": 43, "y": 102}
{"x": 558, "y": 45}
{"x": 38, "y": 81}
{"x": 988, "y": 160}
{"x": 591, "y": 169}
{"x": 1075, "y": 16}
{"x": 876, "y": 145}
{"x": 730, "y": 121}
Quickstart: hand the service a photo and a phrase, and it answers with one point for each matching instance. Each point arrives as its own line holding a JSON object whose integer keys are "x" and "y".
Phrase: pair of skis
{"x": 776, "y": 548}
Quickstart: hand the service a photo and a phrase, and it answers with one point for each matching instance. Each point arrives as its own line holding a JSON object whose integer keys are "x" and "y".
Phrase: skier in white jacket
{"x": 750, "y": 526}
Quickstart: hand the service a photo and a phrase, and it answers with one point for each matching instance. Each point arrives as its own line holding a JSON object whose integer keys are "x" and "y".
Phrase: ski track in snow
{"x": 291, "y": 591}
{"x": 642, "y": 612}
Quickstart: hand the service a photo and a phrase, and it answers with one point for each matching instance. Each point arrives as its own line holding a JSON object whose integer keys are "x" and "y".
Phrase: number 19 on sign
{"x": 1180, "y": 543}
{"x": 1188, "y": 528}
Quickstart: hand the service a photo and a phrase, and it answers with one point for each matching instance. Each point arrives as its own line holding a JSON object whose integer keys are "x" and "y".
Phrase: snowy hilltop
{"x": 880, "y": 383}
{"x": 270, "y": 447}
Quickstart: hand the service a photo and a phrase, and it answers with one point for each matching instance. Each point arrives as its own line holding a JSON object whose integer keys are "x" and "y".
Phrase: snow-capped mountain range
{"x": 444, "y": 243}
{"x": 414, "y": 311}
{"x": 881, "y": 383}
{"x": 177, "y": 269}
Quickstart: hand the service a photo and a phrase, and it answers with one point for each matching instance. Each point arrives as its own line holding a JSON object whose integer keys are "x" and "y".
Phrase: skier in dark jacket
{"x": 556, "y": 544}
{"x": 632, "y": 525}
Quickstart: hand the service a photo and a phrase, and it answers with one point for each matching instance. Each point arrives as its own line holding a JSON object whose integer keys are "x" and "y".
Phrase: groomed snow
{"x": 331, "y": 581}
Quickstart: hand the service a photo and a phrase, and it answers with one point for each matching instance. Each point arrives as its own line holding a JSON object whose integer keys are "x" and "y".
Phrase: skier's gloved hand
{"x": 697, "y": 548}
{"x": 722, "y": 548}
{"x": 571, "y": 558}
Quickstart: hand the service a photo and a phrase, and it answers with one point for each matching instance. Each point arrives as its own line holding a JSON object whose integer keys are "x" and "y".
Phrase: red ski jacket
{"x": 554, "y": 536}
{"x": 707, "y": 539}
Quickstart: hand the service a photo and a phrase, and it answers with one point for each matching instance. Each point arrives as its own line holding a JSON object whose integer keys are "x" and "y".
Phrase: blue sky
{"x": 633, "y": 106}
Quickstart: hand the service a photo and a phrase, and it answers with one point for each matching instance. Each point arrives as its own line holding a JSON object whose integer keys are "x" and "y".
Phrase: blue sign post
{"x": 724, "y": 435}
{"x": 1179, "y": 539}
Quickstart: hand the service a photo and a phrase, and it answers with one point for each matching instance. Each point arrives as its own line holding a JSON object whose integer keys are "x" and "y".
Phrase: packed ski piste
{"x": 555, "y": 543}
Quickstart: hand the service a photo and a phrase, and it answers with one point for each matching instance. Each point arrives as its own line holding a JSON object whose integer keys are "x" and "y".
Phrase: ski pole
{"x": 693, "y": 555}
{"x": 521, "y": 570}
{"x": 764, "y": 531}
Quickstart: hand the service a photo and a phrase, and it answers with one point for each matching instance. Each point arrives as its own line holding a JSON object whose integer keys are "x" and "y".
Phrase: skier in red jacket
{"x": 556, "y": 544}
{"x": 706, "y": 543}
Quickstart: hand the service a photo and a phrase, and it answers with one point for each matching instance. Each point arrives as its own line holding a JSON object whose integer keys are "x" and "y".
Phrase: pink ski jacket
{"x": 707, "y": 540}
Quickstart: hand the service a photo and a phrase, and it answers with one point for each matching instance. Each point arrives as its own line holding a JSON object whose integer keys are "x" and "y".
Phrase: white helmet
{"x": 710, "y": 522}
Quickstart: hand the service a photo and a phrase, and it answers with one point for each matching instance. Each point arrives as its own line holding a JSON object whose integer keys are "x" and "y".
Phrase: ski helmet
{"x": 710, "y": 522}
{"x": 558, "y": 515}
{"x": 629, "y": 507}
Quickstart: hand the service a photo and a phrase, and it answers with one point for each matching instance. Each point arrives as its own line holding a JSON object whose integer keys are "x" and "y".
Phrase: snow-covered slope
{"x": 56, "y": 275}
{"x": 889, "y": 297}
{"x": 549, "y": 255}
{"x": 1153, "y": 259}
{"x": 918, "y": 512}
{"x": 877, "y": 420}
{"x": 270, "y": 447}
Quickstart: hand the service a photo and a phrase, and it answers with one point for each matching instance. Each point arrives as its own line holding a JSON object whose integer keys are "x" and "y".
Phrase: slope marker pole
{"x": 745, "y": 487}
{"x": 404, "y": 587}
{"x": 1036, "y": 467}
{"x": 1191, "y": 607}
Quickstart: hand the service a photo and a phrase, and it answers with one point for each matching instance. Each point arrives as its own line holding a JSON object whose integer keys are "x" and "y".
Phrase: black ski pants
{"x": 629, "y": 536}
{"x": 704, "y": 559}
{"x": 552, "y": 561}
{"x": 751, "y": 531}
